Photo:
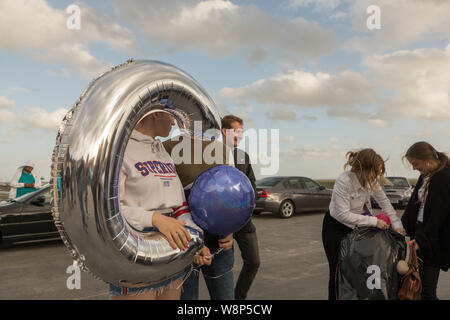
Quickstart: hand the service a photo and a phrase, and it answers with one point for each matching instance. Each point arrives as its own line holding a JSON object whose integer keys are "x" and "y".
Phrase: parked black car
{"x": 28, "y": 218}
{"x": 289, "y": 195}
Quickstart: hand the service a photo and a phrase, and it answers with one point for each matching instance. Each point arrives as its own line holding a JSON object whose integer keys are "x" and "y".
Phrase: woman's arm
{"x": 385, "y": 205}
{"x": 183, "y": 213}
{"x": 137, "y": 216}
{"x": 341, "y": 205}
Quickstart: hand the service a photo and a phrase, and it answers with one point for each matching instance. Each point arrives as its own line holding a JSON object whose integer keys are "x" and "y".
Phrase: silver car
{"x": 288, "y": 195}
{"x": 399, "y": 192}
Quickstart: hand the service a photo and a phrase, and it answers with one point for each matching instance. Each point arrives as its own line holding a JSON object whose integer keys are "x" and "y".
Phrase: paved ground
{"x": 293, "y": 266}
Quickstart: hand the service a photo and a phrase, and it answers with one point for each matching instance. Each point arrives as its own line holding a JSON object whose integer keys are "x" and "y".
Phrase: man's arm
{"x": 250, "y": 174}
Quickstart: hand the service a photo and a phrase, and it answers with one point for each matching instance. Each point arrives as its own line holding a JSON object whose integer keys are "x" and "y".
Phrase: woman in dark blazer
{"x": 427, "y": 215}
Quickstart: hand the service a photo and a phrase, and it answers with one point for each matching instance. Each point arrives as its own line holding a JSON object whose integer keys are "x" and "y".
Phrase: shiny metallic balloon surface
{"x": 85, "y": 171}
{"x": 221, "y": 200}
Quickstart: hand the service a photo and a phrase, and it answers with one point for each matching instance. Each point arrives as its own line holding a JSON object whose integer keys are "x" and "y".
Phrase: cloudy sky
{"x": 312, "y": 69}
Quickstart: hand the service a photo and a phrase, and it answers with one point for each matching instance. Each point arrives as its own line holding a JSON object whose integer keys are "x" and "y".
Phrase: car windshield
{"x": 398, "y": 182}
{"x": 269, "y": 182}
{"x": 27, "y": 196}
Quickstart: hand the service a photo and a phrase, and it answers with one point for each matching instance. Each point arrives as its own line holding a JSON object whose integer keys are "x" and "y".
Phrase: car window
{"x": 398, "y": 182}
{"x": 294, "y": 183}
{"x": 310, "y": 184}
{"x": 268, "y": 182}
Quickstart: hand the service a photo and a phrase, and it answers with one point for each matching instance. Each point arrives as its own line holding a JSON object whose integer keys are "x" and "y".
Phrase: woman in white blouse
{"x": 350, "y": 206}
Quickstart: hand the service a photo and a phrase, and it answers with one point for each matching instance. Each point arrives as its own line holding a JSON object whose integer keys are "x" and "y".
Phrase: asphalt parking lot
{"x": 293, "y": 266}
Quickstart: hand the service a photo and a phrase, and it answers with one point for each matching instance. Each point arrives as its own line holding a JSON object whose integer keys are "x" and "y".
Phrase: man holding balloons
{"x": 232, "y": 130}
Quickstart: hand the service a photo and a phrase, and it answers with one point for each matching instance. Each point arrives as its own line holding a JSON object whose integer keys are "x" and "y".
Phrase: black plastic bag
{"x": 367, "y": 267}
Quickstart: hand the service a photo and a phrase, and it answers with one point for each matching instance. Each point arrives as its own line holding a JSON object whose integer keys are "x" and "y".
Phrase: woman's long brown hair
{"x": 367, "y": 165}
{"x": 426, "y": 152}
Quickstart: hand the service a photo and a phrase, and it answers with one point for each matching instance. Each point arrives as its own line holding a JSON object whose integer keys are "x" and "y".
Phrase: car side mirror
{"x": 38, "y": 201}
{"x": 321, "y": 188}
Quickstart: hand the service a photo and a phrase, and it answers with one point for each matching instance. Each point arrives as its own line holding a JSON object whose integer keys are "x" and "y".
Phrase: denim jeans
{"x": 218, "y": 278}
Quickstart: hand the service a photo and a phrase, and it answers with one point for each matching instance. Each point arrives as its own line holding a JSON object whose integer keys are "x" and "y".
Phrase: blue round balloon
{"x": 221, "y": 200}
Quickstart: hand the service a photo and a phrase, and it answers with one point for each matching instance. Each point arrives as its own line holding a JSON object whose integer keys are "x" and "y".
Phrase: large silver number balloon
{"x": 85, "y": 171}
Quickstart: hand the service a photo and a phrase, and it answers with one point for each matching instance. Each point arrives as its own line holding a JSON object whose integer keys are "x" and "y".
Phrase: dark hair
{"x": 229, "y": 119}
{"x": 424, "y": 151}
{"x": 367, "y": 165}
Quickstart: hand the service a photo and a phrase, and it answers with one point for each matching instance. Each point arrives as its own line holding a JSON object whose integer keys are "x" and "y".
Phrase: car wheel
{"x": 287, "y": 209}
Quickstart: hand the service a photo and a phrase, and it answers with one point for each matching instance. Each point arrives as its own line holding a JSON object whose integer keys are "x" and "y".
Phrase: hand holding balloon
{"x": 173, "y": 230}
{"x": 203, "y": 257}
{"x": 227, "y": 242}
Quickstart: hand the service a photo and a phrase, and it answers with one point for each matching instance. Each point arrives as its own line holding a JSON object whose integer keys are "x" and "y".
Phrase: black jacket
{"x": 242, "y": 163}
{"x": 434, "y": 239}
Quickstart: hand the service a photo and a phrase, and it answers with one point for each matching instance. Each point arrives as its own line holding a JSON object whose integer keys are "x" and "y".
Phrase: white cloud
{"x": 288, "y": 139}
{"x": 409, "y": 83}
{"x": 6, "y": 116}
{"x": 285, "y": 114}
{"x": 417, "y": 81}
{"x": 306, "y": 151}
{"x": 6, "y": 103}
{"x": 38, "y": 118}
{"x": 426, "y": 133}
{"x": 320, "y": 5}
{"x": 35, "y": 118}
{"x": 306, "y": 117}
{"x": 221, "y": 28}
{"x": 354, "y": 113}
{"x": 281, "y": 114}
{"x": 303, "y": 89}
{"x": 403, "y": 22}
{"x": 36, "y": 29}
{"x": 18, "y": 89}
